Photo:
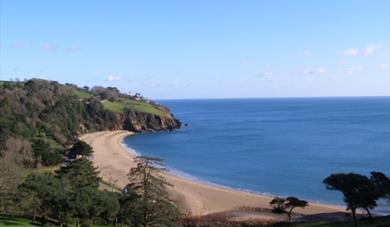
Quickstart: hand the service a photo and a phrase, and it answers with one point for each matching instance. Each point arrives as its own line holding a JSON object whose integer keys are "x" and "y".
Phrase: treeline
{"x": 73, "y": 195}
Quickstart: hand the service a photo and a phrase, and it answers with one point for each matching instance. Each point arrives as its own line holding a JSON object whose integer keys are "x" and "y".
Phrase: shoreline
{"x": 195, "y": 179}
{"x": 114, "y": 159}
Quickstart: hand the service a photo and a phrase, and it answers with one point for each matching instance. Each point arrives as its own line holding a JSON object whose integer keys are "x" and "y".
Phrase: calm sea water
{"x": 275, "y": 146}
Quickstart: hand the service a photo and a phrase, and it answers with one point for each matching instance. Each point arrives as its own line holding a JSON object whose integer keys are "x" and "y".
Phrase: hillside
{"x": 40, "y": 118}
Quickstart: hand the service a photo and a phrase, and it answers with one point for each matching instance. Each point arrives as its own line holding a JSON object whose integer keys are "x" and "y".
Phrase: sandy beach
{"x": 114, "y": 161}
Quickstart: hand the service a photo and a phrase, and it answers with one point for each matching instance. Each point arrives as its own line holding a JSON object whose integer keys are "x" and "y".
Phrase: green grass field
{"x": 82, "y": 94}
{"x": 119, "y": 107}
{"x": 44, "y": 169}
{"x": 6, "y": 220}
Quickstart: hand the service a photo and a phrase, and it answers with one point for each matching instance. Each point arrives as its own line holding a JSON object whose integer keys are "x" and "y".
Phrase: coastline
{"x": 114, "y": 159}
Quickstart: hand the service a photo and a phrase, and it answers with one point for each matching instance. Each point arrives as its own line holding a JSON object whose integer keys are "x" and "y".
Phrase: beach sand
{"x": 114, "y": 162}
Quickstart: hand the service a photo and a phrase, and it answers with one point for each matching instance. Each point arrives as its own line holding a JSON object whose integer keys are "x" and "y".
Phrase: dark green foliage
{"x": 353, "y": 186}
{"x": 44, "y": 154}
{"x": 109, "y": 93}
{"x": 97, "y": 117}
{"x": 359, "y": 191}
{"x": 156, "y": 209}
{"x": 43, "y": 111}
{"x": 71, "y": 195}
{"x": 292, "y": 203}
{"x": 382, "y": 184}
{"x": 109, "y": 206}
{"x": 80, "y": 148}
{"x": 277, "y": 205}
{"x": 130, "y": 208}
{"x": 39, "y": 121}
{"x": 80, "y": 174}
{"x": 49, "y": 115}
{"x": 39, "y": 193}
{"x": 287, "y": 205}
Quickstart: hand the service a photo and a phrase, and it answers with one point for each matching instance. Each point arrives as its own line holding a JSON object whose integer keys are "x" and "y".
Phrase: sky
{"x": 201, "y": 49}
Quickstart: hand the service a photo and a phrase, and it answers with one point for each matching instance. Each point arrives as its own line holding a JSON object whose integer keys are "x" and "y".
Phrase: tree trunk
{"x": 44, "y": 219}
{"x": 354, "y": 217}
{"x": 146, "y": 192}
{"x": 369, "y": 215}
{"x": 289, "y": 215}
{"x": 34, "y": 216}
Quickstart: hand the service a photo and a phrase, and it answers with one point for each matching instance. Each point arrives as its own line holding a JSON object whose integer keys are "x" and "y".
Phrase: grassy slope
{"x": 14, "y": 221}
{"x": 44, "y": 169}
{"x": 51, "y": 169}
{"x": 82, "y": 94}
{"x": 119, "y": 107}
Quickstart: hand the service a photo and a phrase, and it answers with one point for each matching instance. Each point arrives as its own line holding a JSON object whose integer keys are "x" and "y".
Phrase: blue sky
{"x": 202, "y": 49}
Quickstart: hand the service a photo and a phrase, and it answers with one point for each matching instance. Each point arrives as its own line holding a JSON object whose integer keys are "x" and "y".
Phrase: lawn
{"x": 119, "y": 107}
{"x": 44, "y": 169}
{"x": 6, "y": 220}
{"x": 82, "y": 94}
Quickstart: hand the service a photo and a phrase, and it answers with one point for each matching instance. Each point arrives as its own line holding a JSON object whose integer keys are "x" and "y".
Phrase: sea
{"x": 274, "y": 146}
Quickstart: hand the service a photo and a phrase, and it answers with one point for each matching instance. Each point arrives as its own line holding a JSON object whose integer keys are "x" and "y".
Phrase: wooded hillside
{"x": 39, "y": 118}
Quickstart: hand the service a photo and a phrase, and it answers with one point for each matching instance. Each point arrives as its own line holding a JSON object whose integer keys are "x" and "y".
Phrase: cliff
{"x": 138, "y": 122}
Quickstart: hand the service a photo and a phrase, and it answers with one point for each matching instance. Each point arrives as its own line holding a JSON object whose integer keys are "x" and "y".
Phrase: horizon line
{"x": 277, "y": 97}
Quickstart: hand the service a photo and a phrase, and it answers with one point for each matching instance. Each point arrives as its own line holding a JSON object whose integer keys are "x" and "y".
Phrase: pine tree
{"x": 287, "y": 205}
{"x": 83, "y": 179}
{"x": 151, "y": 187}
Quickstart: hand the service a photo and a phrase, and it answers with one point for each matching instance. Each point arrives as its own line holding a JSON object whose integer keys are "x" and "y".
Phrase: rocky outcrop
{"x": 146, "y": 122}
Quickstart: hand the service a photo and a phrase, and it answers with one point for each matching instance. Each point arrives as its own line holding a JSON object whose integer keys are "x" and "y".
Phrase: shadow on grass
{"x": 13, "y": 220}
{"x": 362, "y": 222}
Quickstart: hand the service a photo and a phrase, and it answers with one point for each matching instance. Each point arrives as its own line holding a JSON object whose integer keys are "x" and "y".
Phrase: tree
{"x": 44, "y": 153}
{"x": 14, "y": 156}
{"x": 287, "y": 205}
{"x": 277, "y": 205}
{"x": 80, "y": 173}
{"x": 109, "y": 206}
{"x": 381, "y": 183}
{"x": 358, "y": 191}
{"x": 38, "y": 193}
{"x": 147, "y": 182}
{"x": 80, "y": 148}
{"x": 130, "y": 208}
{"x": 292, "y": 203}
{"x": 20, "y": 150}
{"x": 10, "y": 177}
{"x": 83, "y": 195}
